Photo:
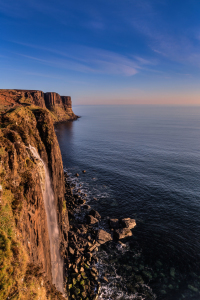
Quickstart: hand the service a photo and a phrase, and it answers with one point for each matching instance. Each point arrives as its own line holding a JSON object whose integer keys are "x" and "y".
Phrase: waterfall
{"x": 52, "y": 221}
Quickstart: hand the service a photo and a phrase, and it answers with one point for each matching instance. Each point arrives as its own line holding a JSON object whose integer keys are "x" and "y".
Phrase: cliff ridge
{"x": 59, "y": 106}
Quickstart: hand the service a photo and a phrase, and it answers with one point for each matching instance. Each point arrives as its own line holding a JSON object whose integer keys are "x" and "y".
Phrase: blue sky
{"x": 103, "y": 51}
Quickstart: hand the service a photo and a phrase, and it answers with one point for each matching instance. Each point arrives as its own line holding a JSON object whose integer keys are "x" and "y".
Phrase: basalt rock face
{"x": 67, "y": 103}
{"x": 60, "y": 106}
{"x": 22, "y": 206}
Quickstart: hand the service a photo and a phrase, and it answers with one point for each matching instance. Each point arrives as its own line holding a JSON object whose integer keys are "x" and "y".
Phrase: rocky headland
{"x": 60, "y": 107}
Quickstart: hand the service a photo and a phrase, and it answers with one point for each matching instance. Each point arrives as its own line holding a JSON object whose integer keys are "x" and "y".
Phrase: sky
{"x": 103, "y": 51}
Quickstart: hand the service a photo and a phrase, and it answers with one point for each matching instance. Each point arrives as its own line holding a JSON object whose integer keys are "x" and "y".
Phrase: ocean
{"x": 142, "y": 162}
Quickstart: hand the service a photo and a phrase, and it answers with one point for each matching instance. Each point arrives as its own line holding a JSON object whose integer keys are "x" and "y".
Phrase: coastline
{"x": 90, "y": 251}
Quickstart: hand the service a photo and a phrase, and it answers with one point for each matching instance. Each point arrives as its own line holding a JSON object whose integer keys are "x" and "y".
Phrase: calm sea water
{"x": 144, "y": 162}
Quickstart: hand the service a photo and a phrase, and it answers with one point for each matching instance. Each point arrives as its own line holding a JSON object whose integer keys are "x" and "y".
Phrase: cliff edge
{"x": 25, "y": 258}
{"x": 59, "y": 106}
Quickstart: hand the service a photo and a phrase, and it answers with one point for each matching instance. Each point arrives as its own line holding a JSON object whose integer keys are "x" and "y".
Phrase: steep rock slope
{"x": 24, "y": 242}
{"x": 60, "y": 106}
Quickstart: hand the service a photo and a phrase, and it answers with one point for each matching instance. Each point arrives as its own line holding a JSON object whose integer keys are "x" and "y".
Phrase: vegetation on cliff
{"x": 25, "y": 265}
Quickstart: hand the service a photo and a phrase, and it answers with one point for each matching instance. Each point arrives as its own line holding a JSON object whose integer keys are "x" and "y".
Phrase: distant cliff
{"x": 25, "y": 258}
{"x": 59, "y": 106}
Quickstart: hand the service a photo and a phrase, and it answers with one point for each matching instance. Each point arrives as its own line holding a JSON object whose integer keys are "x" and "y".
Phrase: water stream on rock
{"x": 52, "y": 222}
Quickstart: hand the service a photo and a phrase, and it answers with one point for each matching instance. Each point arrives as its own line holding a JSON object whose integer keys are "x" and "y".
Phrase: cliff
{"x": 25, "y": 258}
{"x": 59, "y": 106}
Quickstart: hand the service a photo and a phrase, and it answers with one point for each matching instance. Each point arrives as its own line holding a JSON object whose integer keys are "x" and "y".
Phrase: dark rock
{"x": 114, "y": 223}
{"x": 94, "y": 270}
{"x": 95, "y": 214}
{"x": 95, "y": 259}
{"x": 91, "y": 220}
{"x": 86, "y": 206}
{"x": 88, "y": 255}
{"x": 103, "y": 236}
{"x": 81, "y": 201}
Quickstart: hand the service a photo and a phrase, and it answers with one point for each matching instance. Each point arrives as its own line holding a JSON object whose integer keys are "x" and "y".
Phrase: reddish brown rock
{"x": 94, "y": 247}
{"x": 71, "y": 251}
{"x": 122, "y": 233}
{"x": 128, "y": 223}
{"x": 91, "y": 220}
{"x": 20, "y": 97}
{"x": 61, "y": 105}
{"x": 103, "y": 236}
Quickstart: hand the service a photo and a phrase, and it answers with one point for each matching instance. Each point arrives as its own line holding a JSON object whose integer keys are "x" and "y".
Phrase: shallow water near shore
{"x": 143, "y": 162}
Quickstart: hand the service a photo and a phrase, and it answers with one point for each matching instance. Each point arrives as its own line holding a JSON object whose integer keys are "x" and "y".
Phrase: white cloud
{"x": 88, "y": 60}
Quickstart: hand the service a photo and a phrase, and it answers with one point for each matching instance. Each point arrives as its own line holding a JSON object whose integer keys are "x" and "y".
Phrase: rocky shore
{"x": 82, "y": 279}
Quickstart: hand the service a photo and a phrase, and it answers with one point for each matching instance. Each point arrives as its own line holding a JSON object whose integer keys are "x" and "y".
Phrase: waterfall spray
{"x": 52, "y": 221}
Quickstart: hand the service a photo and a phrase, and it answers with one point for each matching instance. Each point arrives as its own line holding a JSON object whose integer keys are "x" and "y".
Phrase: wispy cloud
{"x": 90, "y": 60}
{"x": 173, "y": 43}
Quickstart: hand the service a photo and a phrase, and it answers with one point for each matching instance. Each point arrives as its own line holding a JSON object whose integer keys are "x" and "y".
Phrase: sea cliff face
{"x": 24, "y": 239}
{"x": 59, "y": 106}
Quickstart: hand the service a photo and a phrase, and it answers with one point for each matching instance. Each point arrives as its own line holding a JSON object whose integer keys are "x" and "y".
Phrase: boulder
{"x": 91, "y": 220}
{"x": 122, "y": 233}
{"x": 95, "y": 214}
{"x": 71, "y": 251}
{"x": 105, "y": 279}
{"x": 128, "y": 223}
{"x": 84, "y": 171}
{"x": 77, "y": 175}
{"x": 114, "y": 223}
{"x": 94, "y": 247}
{"x": 81, "y": 201}
{"x": 86, "y": 206}
{"x": 103, "y": 236}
